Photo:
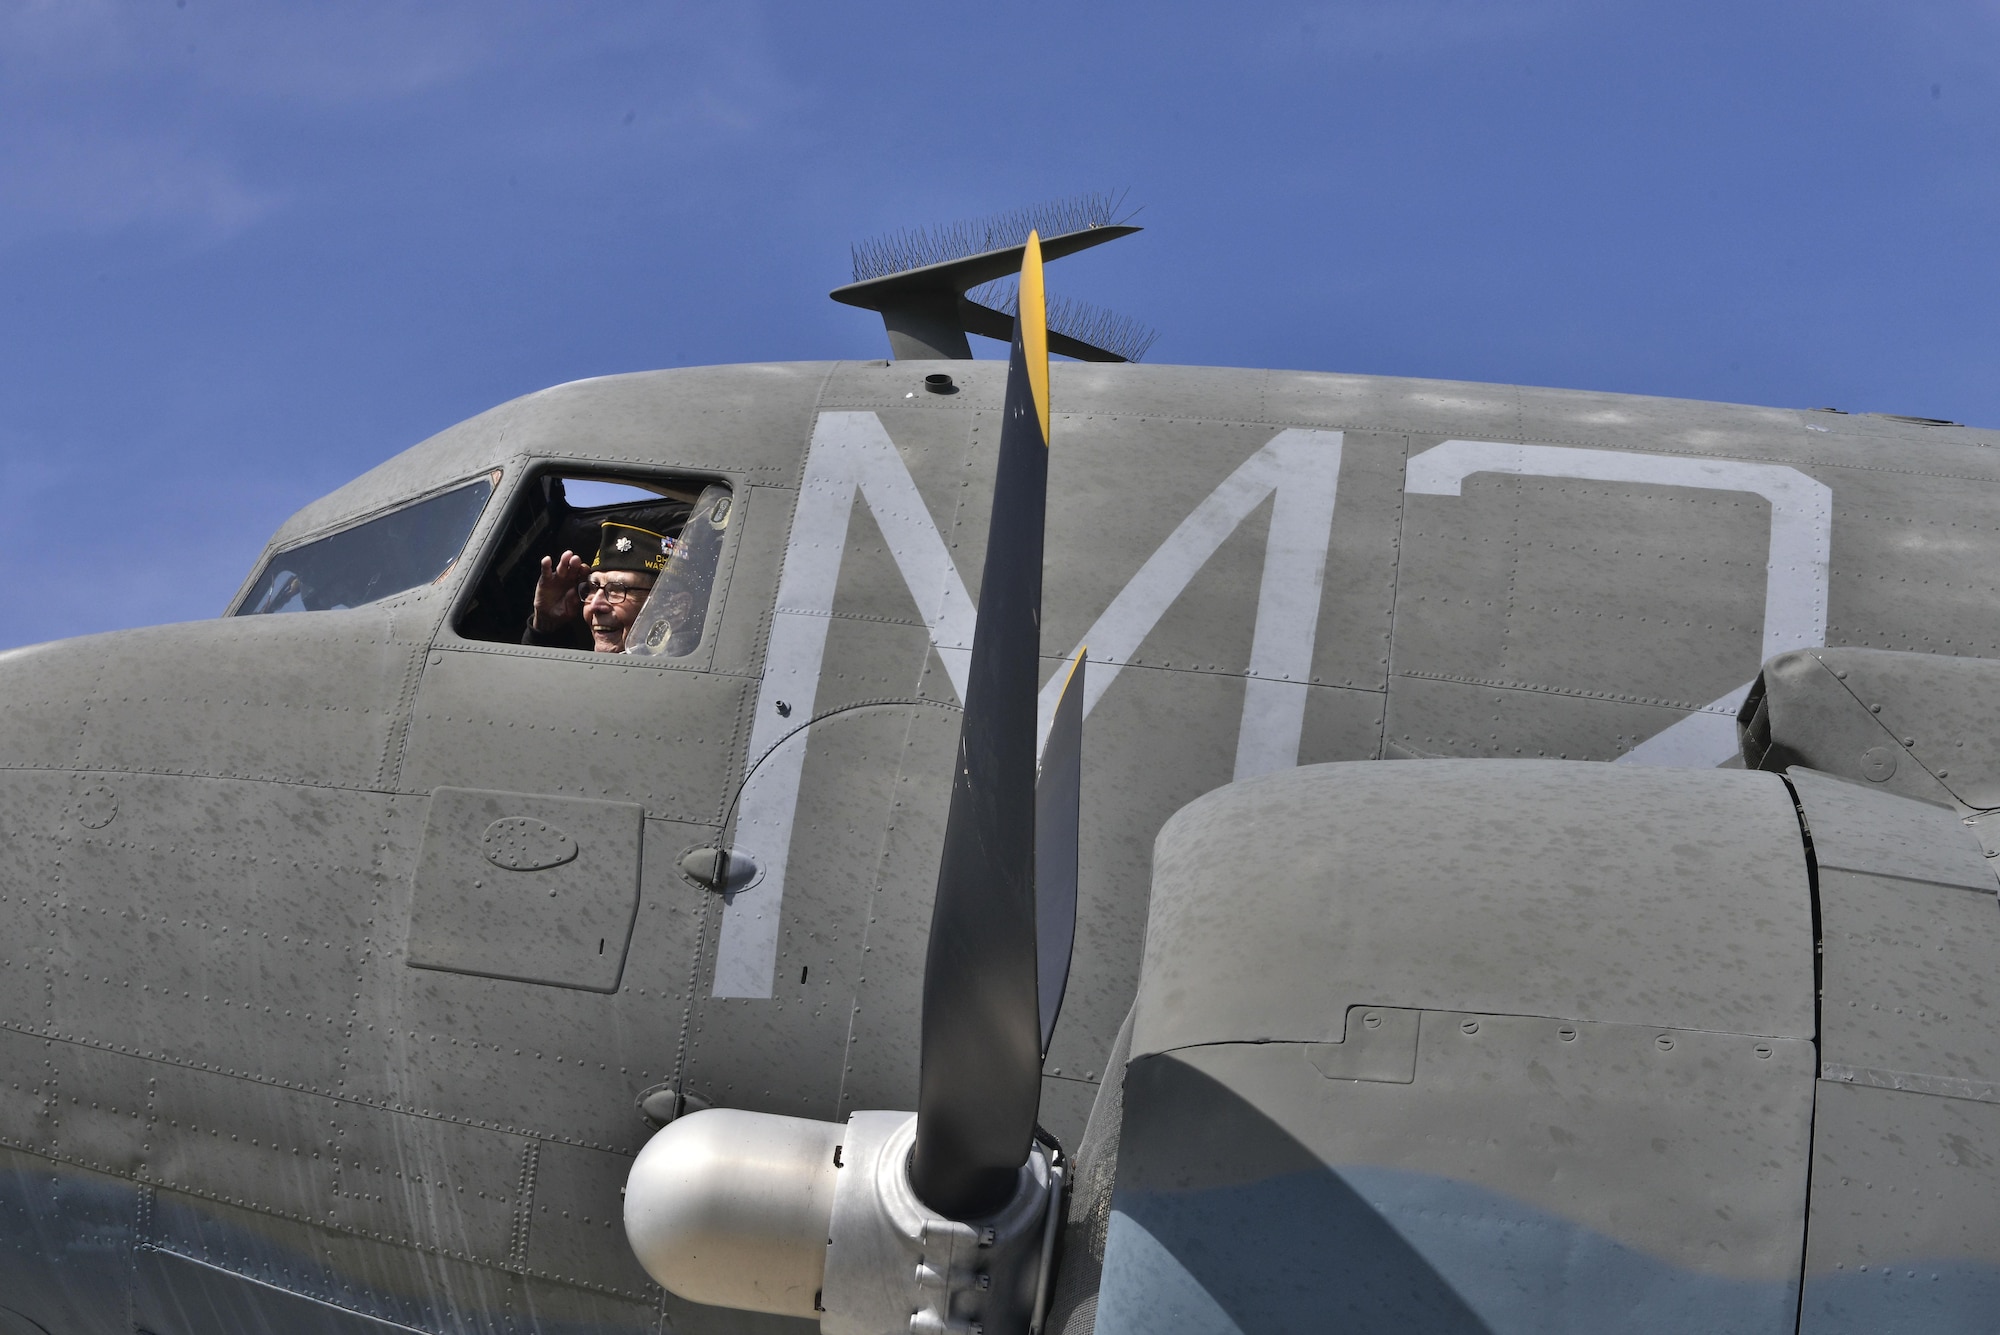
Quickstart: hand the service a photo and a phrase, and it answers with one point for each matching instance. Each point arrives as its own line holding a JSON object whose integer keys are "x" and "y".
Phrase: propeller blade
{"x": 1058, "y": 817}
{"x": 981, "y": 1076}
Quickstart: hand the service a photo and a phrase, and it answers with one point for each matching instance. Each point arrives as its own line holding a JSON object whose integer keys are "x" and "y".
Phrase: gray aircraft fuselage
{"x": 286, "y": 1044}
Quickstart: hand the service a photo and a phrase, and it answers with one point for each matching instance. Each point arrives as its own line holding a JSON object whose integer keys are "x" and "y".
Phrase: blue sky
{"x": 247, "y": 251}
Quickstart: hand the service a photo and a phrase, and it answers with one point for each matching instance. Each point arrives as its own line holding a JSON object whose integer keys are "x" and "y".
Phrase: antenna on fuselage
{"x": 922, "y": 282}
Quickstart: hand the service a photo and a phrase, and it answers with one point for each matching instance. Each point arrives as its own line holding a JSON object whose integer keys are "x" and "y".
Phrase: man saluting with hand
{"x": 592, "y": 607}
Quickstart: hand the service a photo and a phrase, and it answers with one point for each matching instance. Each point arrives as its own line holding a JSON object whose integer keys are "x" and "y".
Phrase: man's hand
{"x": 555, "y": 593}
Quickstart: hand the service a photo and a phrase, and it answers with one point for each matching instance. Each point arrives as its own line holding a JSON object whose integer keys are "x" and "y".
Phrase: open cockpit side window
{"x": 641, "y": 565}
{"x": 410, "y": 546}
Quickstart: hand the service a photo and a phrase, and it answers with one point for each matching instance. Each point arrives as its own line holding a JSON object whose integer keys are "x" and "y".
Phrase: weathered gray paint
{"x": 1856, "y": 826}
{"x": 1903, "y": 1218}
{"x": 1404, "y": 1072}
{"x": 1608, "y": 1184}
{"x": 531, "y": 917}
{"x": 1549, "y": 889}
{"x": 212, "y": 1042}
{"x": 1904, "y": 1213}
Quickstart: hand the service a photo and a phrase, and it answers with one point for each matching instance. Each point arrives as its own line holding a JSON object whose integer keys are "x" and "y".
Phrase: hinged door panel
{"x": 539, "y": 889}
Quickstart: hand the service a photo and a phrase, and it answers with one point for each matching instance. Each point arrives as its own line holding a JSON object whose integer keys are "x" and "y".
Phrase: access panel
{"x": 539, "y": 889}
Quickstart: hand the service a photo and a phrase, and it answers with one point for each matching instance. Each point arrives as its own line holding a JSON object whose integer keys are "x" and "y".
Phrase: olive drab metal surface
{"x": 1558, "y": 1116}
{"x": 1903, "y": 1216}
{"x": 511, "y": 886}
{"x": 273, "y": 1058}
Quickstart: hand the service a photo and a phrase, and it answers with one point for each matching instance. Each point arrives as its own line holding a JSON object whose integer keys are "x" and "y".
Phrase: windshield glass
{"x": 404, "y": 549}
{"x": 669, "y": 625}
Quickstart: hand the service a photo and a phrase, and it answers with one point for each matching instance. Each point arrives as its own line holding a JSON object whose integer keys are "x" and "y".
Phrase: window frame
{"x": 677, "y": 484}
{"x": 475, "y": 536}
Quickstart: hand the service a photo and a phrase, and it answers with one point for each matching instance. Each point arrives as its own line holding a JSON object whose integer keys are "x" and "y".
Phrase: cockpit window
{"x": 653, "y": 542}
{"x": 404, "y": 549}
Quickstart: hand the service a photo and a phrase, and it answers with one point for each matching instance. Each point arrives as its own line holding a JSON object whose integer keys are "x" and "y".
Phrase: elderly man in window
{"x": 592, "y": 607}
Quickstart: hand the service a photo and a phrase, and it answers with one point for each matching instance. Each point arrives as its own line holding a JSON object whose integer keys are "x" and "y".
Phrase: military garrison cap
{"x": 629, "y": 547}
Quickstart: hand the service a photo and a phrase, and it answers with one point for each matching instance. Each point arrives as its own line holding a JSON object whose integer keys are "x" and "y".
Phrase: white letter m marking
{"x": 850, "y": 452}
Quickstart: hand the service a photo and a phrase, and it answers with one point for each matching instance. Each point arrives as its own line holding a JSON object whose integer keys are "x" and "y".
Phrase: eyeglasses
{"x": 615, "y": 594}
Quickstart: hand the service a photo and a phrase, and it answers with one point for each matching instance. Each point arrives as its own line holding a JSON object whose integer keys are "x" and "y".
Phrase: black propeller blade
{"x": 980, "y": 1082}
{"x": 1058, "y": 816}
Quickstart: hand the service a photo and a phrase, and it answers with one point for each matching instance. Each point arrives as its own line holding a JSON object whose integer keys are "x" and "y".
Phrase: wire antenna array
{"x": 916, "y": 247}
{"x": 1080, "y": 320}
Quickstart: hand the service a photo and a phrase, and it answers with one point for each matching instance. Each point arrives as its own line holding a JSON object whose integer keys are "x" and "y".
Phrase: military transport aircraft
{"x": 385, "y": 965}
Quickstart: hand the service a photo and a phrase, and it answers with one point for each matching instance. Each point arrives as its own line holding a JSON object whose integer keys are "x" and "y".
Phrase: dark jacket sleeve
{"x": 575, "y": 635}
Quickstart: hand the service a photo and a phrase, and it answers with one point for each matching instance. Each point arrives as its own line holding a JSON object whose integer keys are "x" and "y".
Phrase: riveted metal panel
{"x": 878, "y": 385}
{"x": 749, "y": 420}
{"x": 1357, "y": 604}
{"x": 1430, "y": 718}
{"x": 746, "y": 577}
{"x": 246, "y": 1142}
{"x": 1638, "y": 591}
{"x": 563, "y": 1307}
{"x": 63, "y": 1234}
{"x": 1909, "y": 991}
{"x": 1621, "y": 894}
{"x": 1856, "y": 827}
{"x": 358, "y": 1272}
{"x": 948, "y": 446}
{"x": 179, "y": 1296}
{"x": 1182, "y": 728}
{"x": 1341, "y": 724}
{"x": 1224, "y": 394}
{"x": 38, "y": 807}
{"x": 1426, "y": 407}
{"x": 313, "y": 699}
{"x": 425, "y": 1182}
{"x": 880, "y": 1051}
{"x": 663, "y": 967}
{"x": 1534, "y": 1174}
{"x": 466, "y": 1048}
{"x": 1914, "y": 555}
{"x": 1114, "y": 510}
{"x": 102, "y": 1108}
{"x": 1803, "y": 438}
{"x": 27, "y": 1094}
{"x": 584, "y": 725}
{"x": 216, "y": 924}
{"x": 567, "y": 924}
{"x": 1806, "y": 716}
{"x": 1937, "y": 715}
{"x": 870, "y": 596}
{"x": 1112, "y": 505}
{"x": 576, "y": 1228}
{"x": 787, "y": 1054}
{"x": 1673, "y": 426}
{"x": 867, "y": 662}
{"x": 1905, "y": 1222}
{"x": 44, "y": 692}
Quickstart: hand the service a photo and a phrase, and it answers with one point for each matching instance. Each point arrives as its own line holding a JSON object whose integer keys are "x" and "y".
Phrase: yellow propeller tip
{"x": 1033, "y": 313}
